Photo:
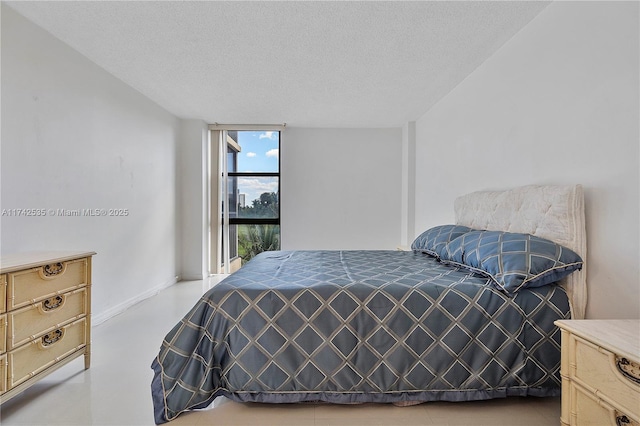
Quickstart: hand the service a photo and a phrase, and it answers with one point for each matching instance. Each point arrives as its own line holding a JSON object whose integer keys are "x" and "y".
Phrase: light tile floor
{"x": 116, "y": 389}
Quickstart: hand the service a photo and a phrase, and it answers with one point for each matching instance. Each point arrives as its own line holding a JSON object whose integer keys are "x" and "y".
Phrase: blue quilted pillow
{"x": 434, "y": 239}
{"x": 513, "y": 261}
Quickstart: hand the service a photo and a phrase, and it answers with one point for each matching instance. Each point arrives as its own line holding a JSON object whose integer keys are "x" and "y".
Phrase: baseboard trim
{"x": 97, "y": 319}
{"x": 194, "y": 277}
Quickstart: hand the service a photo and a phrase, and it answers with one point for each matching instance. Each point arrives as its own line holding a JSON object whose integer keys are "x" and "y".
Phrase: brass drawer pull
{"x": 622, "y": 421}
{"x": 50, "y": 338}
{"x": 53, "y": 269}
{"x": 629, "y": 369}
{"x": 52, "y": 303}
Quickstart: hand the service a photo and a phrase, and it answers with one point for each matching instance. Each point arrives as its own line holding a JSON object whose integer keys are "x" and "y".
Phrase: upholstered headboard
{"x": 552, "y": 212}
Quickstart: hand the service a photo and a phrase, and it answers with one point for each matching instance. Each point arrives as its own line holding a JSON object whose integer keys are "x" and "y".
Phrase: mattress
{"x": 359, "y": 326}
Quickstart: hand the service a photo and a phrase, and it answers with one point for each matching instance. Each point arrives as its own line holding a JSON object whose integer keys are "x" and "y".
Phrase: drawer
{"x": 27, "y": 323}
{"x": 3, "y": 333}
{"x": 3, "y": 373}
{"x": 588, "y": 411}
{"x": 3, "y": 293}
{"x": 26, "y": 287}
{"x": 600, "y": 372}
{"x": 33, "y": 357}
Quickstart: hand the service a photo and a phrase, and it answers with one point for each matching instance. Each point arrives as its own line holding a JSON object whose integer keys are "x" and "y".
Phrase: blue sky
{"x": 259, "y": 154}
{"x": 259, "y": 151}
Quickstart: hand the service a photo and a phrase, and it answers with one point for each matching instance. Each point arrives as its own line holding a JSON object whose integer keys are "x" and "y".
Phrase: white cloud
{"x": 254, "y": 187}
{"x": 273, "y": 153}
{"x": 258, "y": 184}
{"x": 251, "y": 154}
{"x": 268, "y": 135}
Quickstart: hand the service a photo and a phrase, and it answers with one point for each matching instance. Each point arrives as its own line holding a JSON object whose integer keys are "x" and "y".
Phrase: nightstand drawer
{"x": 32, "y": 358}
{"x": 28, "y": 286}
{"x": 589, "y": 411}
{"x": 601, "y": 371}
{"x": 42, "y": 317}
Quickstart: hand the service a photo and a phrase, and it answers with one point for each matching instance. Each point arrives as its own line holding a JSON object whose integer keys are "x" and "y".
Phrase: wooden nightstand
{"x": 600, "y": 372}
{"x": 45, "y": 316}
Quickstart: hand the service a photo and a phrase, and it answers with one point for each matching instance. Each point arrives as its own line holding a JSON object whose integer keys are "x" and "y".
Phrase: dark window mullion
{"x": 253, "y": 221}
{"x": 254, "y": 174}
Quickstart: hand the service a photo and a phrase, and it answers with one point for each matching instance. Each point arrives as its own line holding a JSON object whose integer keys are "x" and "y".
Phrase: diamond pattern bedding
{"x": 359, "y": 326}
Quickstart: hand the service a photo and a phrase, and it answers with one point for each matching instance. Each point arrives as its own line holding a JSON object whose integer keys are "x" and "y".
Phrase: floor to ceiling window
{"x": 247, "y": 207}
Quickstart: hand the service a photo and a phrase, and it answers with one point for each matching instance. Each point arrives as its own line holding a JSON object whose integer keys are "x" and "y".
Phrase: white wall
{"x": 192, "y": 199}
{"x": 341, "y": 188}
{"x": 74, "y": 137}
{"x": 557, "y": 104}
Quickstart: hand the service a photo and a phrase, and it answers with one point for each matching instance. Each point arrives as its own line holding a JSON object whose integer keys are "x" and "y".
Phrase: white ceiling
{"x": 306, "y": 63}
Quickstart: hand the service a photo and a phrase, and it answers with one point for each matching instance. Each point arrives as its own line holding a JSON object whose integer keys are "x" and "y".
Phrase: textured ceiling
{"x": 306, "y": 63}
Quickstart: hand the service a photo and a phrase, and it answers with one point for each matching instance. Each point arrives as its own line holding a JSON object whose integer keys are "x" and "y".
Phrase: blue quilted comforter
{"x": 358, "y": 326}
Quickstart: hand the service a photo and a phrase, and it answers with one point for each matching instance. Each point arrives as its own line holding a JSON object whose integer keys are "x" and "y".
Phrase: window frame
{"x": 219, "y": 135}
{"x": 258, "y": 221}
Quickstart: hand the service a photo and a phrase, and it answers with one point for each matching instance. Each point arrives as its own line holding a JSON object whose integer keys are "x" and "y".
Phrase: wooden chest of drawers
{"x": 600, "y": 372}
{"x": 45, "y": 316}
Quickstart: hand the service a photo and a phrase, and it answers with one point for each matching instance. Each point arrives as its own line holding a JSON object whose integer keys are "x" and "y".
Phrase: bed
{"x": 467, "y": 314}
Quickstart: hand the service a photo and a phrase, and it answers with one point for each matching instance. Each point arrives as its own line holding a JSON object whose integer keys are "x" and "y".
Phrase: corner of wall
{"x": 194, "y": 211}
{"x": 408, "y": 207}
